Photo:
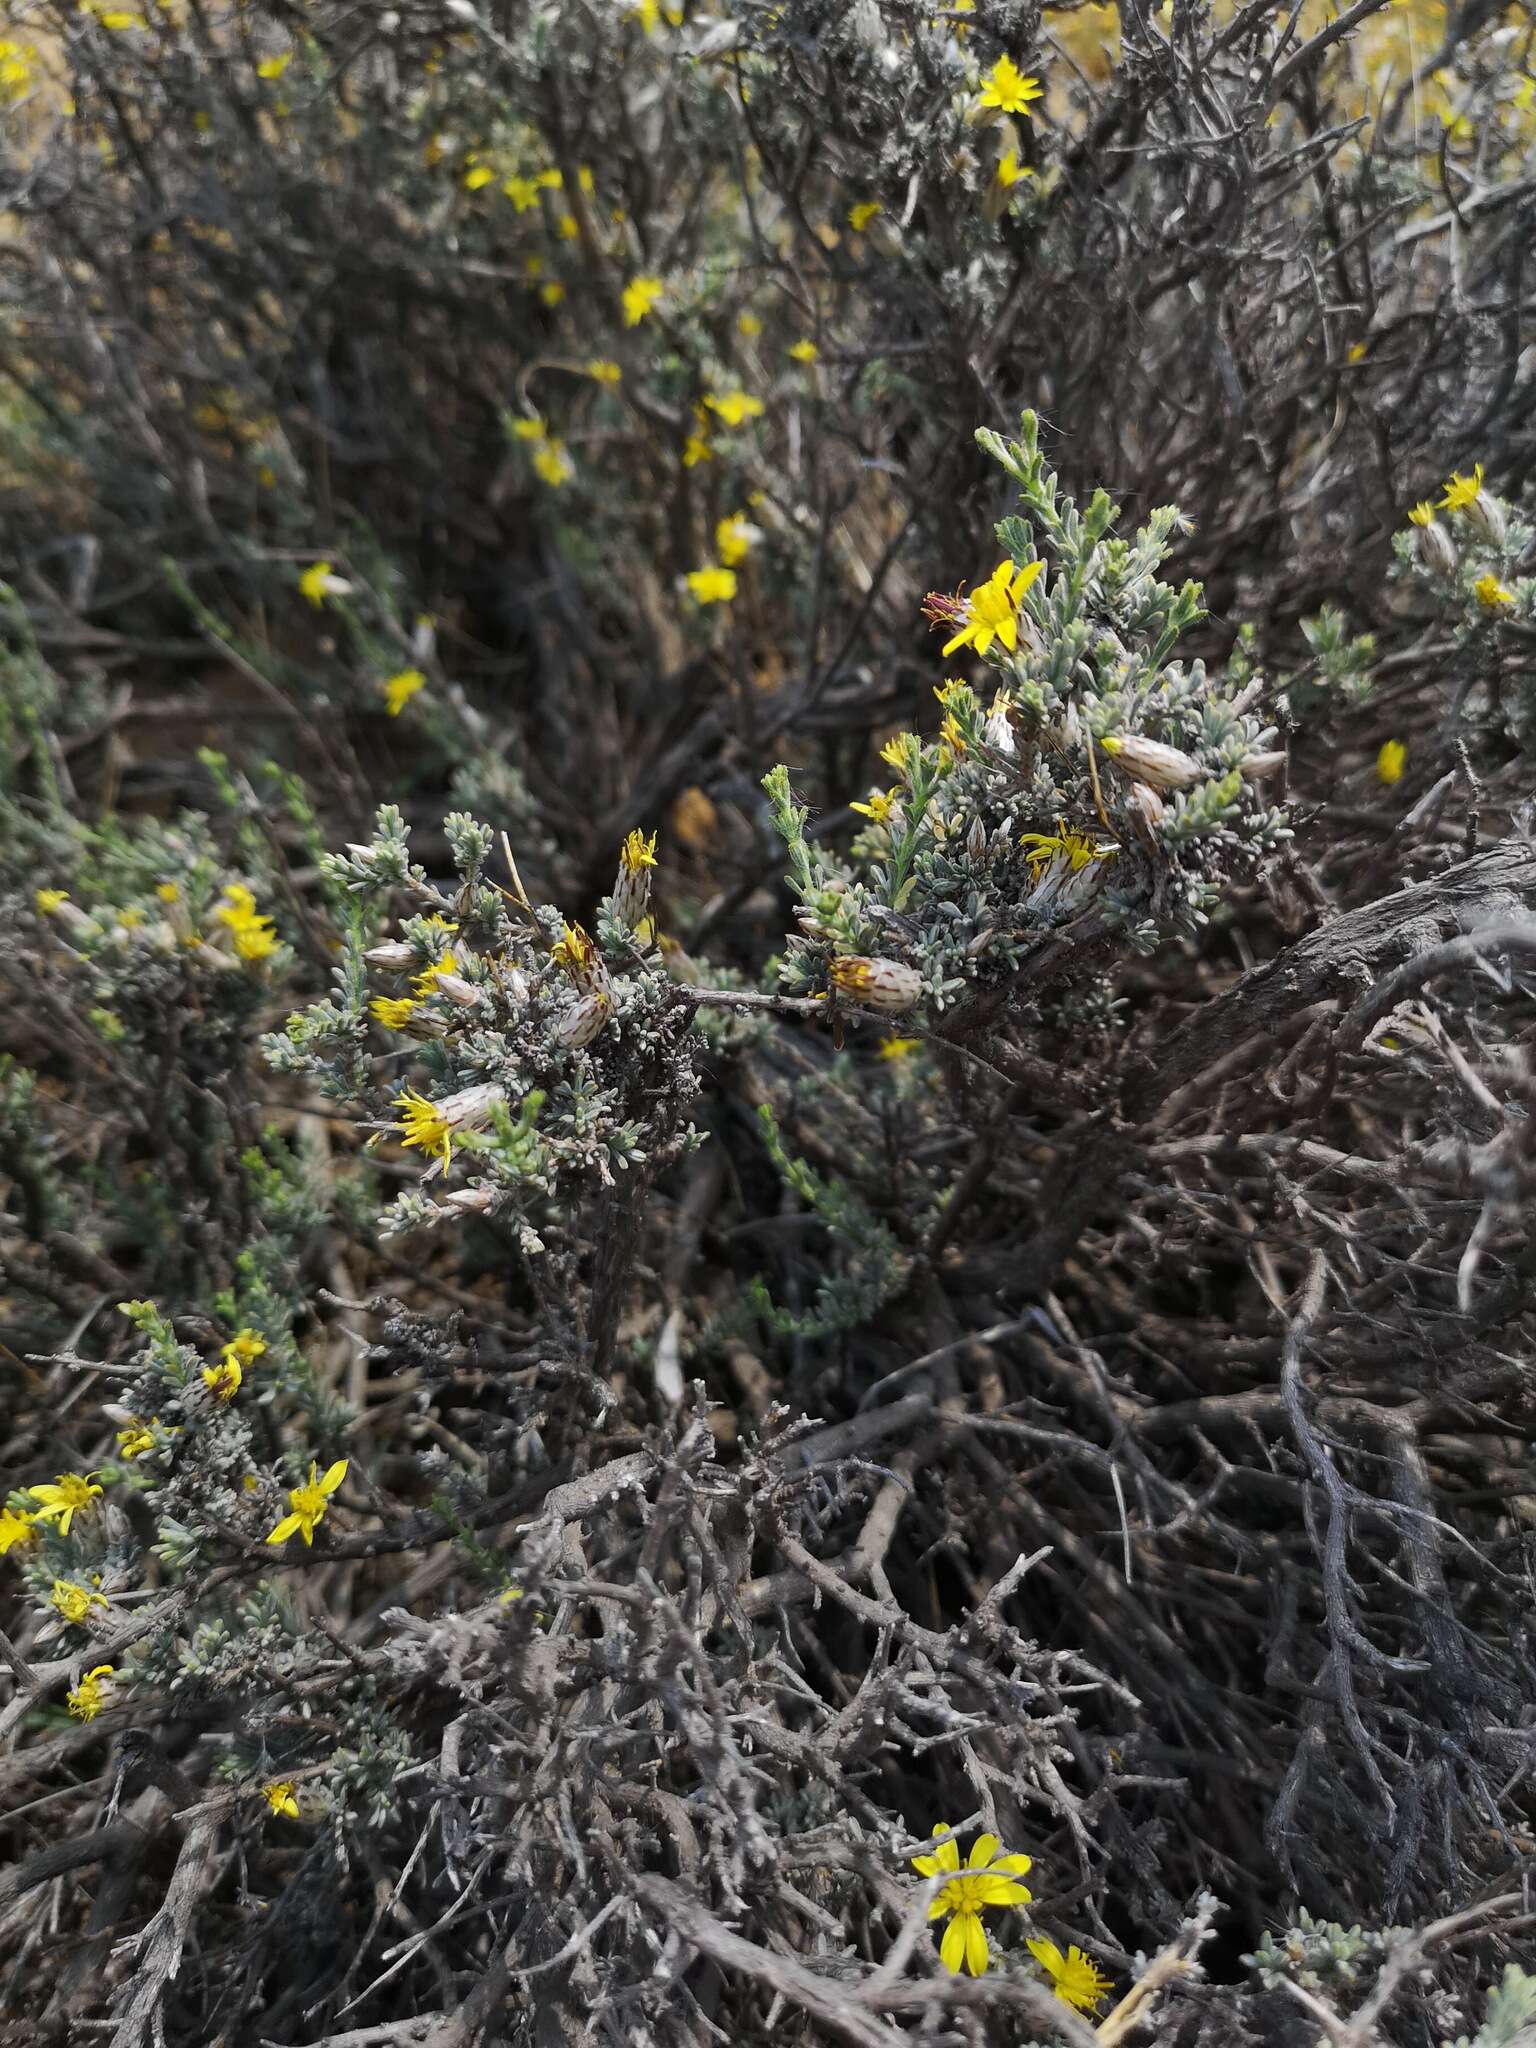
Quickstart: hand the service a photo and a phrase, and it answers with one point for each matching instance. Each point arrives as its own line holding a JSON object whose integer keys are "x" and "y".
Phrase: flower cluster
{"x": 988, "y": 1880}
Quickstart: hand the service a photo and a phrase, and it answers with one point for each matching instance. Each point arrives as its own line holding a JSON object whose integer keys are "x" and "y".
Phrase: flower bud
{"x": 1486, "y": 516}
{"x": 457, "y": 989}
{"x": 1151, "y": 761}
{"x": 976, "y": 841}
{"x": 1256, "y": 766}
{"x": 887, "y": 985}
{"x": 580, "y": 1022}
{"x": 632, "y": 884}
{"x": 470, "y": 1201}
{"x": 1436, "y": 550}
{"x": 999, "y": 728}
{"x": 393, "y": 953}
{"x": 1145, "y": 808}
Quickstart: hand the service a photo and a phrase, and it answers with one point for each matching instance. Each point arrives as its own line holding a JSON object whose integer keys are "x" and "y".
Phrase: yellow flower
{"x": 991, "y": 612}
{"x": 279, "y": 1796}
{"x": 735, "y": 407}
{"x": 274, "y": 67}
{"x": 567, "y": 228}
{"x": 168, "y": 892}
{"x": 49, "y": 900}
{"x": 733, "y": 540}
{"x": 1422, "y": 514}
{"x": 93, "y": 1693}
{"x": 71, "y": 1494}
{"x": 860, "y": 216}
{"x": 640, "y": 295}
{"x": 423, "y": 1126}
{"x": 309, "y": 1502}
{"x": 522, "y": 192}
{"x": 1390, "y": 761}
{"x": 393, "y": 1012}
{"x": 253, "y": 933}
{"x": 425, "y": 983}
{"x": 575, "y": 952}
{"x": 749, "y": 325}
{"x": 1006, "y": 88}
{"x": 988, "y": 1880}
{"x": 223, "y": 1380}
{"x": 695, "y": 450}
{"x": 317, "y": 582}
{"x": 551, "y": 179}
{"x": 638, "y": 852}
{"x": 897, "y": 1048}
{"x": 529, "y": 429}
{"x": 880, "y": 806}
{"x": 1491, "y": 594}
{"x": 247, "y": 1345}
{"x": 1010, "y": 171}
{"x": 1460, "y": 491}
{"x": 804, "y": 350}
{"x": 602, "y": 371}
{"x": 478, "y": 177}
{"x": 553, "y": 464}
{"x": 1075, "y": 848}
{"x": 15, "y": 1529}
{"x": 135, "y": 1438}
{"x": 400, "y": 689}
{"x": 712, "y": 584}
{"x": 1076, "y": 1981}
{"x": 552, "y": 293}
{"x": 898, "y": 752}
{"x": 74, "y": 1602}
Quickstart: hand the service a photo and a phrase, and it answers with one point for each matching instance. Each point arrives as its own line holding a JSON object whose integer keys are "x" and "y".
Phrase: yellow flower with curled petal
{"x": 223, "y": 1380}
{"x": 393, "y": 1012}
{"x": 86, "y": 1700}
{"x": 879, "y": 807}
{"x": 987, "y": 1880}
{"x": 1491, "y": 594}
{"x": 135, "y": 1438}
{"x": 74, "y": 1602}
{"x": 279, "y": 1796}
{"x": 423, "y": 1125}
{"x": 1010, "y": 171}
{"x": 309, "y": 1502}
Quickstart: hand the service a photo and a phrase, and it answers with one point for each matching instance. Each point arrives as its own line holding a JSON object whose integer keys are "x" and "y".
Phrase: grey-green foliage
{"x": 869, "y": 1267}
{"x": 1509, "y": 2019}
{"x": 1031, "y": 808}
{"x": 1320, "y": 1955}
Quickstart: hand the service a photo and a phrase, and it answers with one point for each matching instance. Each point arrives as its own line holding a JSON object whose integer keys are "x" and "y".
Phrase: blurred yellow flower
{"x": 640, "y": 296}
{"x": 712, "y": 584}
{"x": 735, "y": 407}
{"x": 1391, "y": 761}
{"x": 860, "y": 216}
{"x": 400, "y": 689}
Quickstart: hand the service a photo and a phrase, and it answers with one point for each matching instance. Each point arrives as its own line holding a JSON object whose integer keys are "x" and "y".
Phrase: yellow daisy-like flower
{"x": 424, "y": 1126}
{"x": 70, "y": 1494}
{"x": 638, "y": 852}
{"x": 553, "y": 463}
{"x": 279, "y": 1796}
{"x": 987, "y": 1880}
{"x": 400, "y": 689}
{"x": 1461, "y": 491}
{"x": 223, "y": 1380}
{"x": 309, "y": 1503}
{"x": 879, "y": 807}
{"x": 15, "y": 1529}
{"x": 1006, "y": 88}
{"x": 733, "y": 540}
{"x": 74, "y": 1602}
{"x": 991, "y": 612}
{"x": 712, "y": 584}
{"x": 393, "y": 1012}
{"x": 641, "y": 295}
{"x": 93, "y": 1693}
{"x": 1491, "y": 594}
{"x": 1422, "y": 514}
{"x": 1076, "y": 1980}
{"x": 735, "y": 407}
{"x": 860, "y": 216}
{"x": 1390, "y": 762}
